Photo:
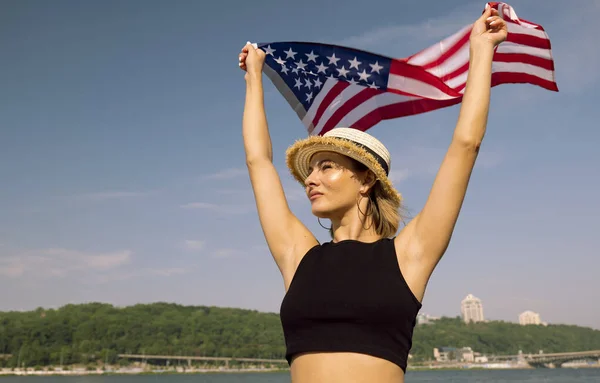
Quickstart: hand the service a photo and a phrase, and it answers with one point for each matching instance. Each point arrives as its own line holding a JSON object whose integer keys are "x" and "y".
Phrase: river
{"x": 565, "y": 375}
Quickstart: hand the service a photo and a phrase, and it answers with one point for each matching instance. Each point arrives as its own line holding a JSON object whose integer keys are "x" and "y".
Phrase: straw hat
{"x": 350, "y": 142}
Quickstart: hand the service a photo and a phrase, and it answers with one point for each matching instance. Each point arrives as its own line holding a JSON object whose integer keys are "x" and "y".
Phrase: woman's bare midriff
{"x": 344, "y": 367}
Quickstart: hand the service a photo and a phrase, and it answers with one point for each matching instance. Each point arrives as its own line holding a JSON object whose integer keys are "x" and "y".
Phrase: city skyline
{"x": 471, "y": 309}
{"x": 123, "y": 168}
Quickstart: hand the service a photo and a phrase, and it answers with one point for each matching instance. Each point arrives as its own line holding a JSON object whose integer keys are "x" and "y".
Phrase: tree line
{"x": 98, "y": 332}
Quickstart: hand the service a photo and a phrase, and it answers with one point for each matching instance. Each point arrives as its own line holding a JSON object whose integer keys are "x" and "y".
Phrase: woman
{"x": 351, "y": 304}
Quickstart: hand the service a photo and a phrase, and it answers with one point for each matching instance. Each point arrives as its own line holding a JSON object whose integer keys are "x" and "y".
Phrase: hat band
{"x": 378, "y": 158}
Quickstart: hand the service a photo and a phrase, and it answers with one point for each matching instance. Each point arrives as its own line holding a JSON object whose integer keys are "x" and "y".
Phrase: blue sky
{"x": 122, "y": 165}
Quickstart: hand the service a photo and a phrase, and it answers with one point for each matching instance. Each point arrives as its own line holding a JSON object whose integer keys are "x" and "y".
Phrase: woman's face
{"x": 333, "y": 185}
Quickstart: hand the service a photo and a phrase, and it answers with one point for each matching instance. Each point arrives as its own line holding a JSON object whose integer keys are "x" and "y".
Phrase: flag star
{"x": 309, "y": 96}
{"x": 284, "y": 69}
{"x": 280, "y": 61}
{"x": 300, "y": 65}
{"x": 295, "y": 70}
{"x": 375, "y": 67}
{"x": 321, "y": 68}
{"x": 311, "y": 56}
{"x": 343, "y": 71}
{"x": 318, "y": 83}
{"x": 290, "y": 53}
{"x": 269, "y": 50}
{"x": 373, "y": 86}
{"x": 308, "y": 84}
{"x": 354, "y": 63}
{"x": 352, "y": 81}
{"x": 363, "y": 75}
{"x": 333, "y": 60}
{"x": 298, "y": 83}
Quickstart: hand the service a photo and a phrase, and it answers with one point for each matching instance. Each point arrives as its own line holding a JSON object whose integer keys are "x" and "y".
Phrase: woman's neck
{"x": 354, "y": 226}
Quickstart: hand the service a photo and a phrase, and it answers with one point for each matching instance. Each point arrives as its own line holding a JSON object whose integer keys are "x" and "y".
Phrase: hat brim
{"x": 298, "y": 157}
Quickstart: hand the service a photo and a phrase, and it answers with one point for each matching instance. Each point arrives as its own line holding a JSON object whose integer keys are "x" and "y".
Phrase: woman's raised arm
{"x": 288, "y": 239}
{"x": 429, "y": 233}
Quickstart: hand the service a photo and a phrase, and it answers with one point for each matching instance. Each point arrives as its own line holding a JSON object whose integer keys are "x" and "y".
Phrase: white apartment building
{"x": 423, "y": 318}
{"x": 471, "y": 309}
{"x": 529, "y": 317}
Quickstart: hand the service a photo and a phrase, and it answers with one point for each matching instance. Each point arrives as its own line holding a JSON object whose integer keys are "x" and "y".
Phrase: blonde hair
{"x": 385, "y": 213}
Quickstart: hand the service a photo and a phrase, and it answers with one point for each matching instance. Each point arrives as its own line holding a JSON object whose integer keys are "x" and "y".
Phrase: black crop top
{"x": 350, "y": 296}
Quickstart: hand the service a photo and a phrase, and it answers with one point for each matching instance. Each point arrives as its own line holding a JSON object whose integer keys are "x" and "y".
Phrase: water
{"x": 585, "y": 375}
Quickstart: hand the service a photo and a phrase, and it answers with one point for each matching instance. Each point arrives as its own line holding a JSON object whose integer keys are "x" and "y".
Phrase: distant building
{"x": 425, "y": 318}
{"x": 471, "y": 309}
{"x": 529, "y": 317}
{"x": 444, "y": 354}
{"x": 447, "y": 354}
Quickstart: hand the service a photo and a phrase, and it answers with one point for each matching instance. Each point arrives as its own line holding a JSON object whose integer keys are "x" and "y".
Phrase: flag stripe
{"x": 454, "y": 66}
{"x": 420, "y": 88}
{"x": 458, "y": 82}
{"x": 531, "y": 41}
{"x": 432, "y": 53}
{"x": 449, "y": 53}
{"x": 524, "y": 58}
{"x": 402, "y": 76}
{"x": 522, "y": 78}
{"x": 523, "y": 30}
{"x": 401, "y": 109}
{"x": 516, "y": 48}
{"x": 370, "y": 106}
{"x": 522, "y": 68}
{"x": 350, "y": 105}
{"x": 375, "y": 88}
{"x": 528, "y": 23}
{"x": 335, "y": 91}
{"x": 311, "y": 114}
{"x": 337, "y": 101}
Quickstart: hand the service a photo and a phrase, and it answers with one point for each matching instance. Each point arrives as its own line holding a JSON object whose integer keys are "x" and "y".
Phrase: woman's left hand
{"x": 490, "y": 29}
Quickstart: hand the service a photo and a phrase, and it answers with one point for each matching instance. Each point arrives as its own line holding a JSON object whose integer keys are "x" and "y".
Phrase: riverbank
{"x": 81, "y": 371}
{"x": 151, "y": 370}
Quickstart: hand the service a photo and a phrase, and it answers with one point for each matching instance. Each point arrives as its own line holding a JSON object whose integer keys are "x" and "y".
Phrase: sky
{"x": 122, "y": 165}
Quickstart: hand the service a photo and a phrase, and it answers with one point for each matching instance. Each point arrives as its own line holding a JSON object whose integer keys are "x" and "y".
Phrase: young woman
{"x": 350, "y": 304}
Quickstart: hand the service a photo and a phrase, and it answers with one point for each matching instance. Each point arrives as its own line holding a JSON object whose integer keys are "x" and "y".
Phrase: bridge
{"x": 189, "y": 359}
{"x": 556, "y": 360}
{"x": 541, "y": 360}
{"x": 553, "y": 360}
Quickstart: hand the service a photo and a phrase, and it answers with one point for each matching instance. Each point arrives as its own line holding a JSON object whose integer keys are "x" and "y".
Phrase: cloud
{"x": 399, "y": 175}
{"x": 424, "y": 161}
{"x": 226, "y": 253}
{"x": 220, "y": 208}
{"x": 110, "y": 195}
{"x": 225, "y": 174}
{"x": 138, "y": 273}
{"x": 294, "y": 192}
{"x": 419, "y": 33}
{"x": 61, "y": 262}
{"x": 194, "y": 245}
{"x": 574, "y": 46}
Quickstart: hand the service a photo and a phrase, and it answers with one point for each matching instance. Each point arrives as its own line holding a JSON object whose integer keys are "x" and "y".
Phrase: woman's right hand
{"x": 251, "y": 60}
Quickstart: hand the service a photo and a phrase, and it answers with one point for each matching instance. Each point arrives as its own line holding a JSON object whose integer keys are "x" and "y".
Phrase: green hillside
{"x": 88, "y": 332}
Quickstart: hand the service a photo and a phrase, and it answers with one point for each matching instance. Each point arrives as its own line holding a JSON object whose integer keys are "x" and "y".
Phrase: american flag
{"x": 330, "y": 85}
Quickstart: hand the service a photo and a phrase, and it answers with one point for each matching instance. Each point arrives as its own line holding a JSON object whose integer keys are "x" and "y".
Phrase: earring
{"x": 326, "y": 228}
{"x": 369, "y": 207}
{"x": 369, "y": 212}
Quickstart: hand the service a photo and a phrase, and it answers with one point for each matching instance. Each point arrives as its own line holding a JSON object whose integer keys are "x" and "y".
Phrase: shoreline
{"x": 136, "y": 371}
{"x": 83, "y": 371}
